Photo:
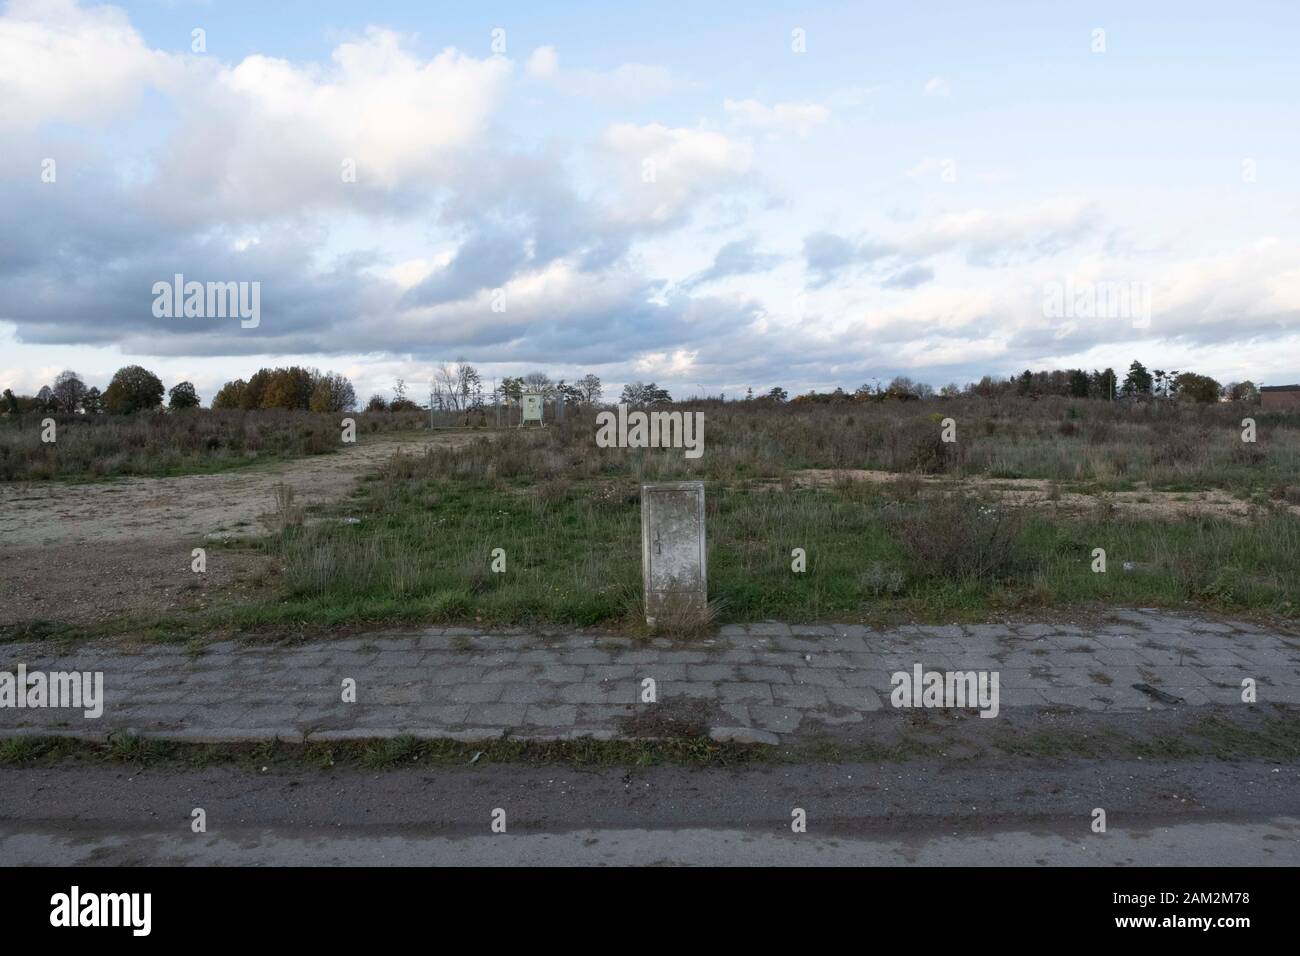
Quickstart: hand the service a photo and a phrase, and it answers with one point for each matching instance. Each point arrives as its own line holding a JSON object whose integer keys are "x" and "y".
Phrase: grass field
{"x": 566, "y": 515}
{"x": 896, "y": 524}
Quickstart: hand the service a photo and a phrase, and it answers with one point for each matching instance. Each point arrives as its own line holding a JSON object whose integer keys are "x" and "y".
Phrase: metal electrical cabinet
{"x": 531, "y": 409}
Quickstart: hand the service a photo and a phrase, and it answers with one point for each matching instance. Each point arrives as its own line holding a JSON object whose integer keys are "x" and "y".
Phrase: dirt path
{"x": 56, "y": 514}
{"x": 84, "y": 552}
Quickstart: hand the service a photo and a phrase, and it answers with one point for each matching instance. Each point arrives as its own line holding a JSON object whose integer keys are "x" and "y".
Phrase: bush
{"x": 952, "y": 537}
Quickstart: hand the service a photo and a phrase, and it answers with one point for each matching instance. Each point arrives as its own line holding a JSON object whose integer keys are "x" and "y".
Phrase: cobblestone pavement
{"x": 761, "y": 682}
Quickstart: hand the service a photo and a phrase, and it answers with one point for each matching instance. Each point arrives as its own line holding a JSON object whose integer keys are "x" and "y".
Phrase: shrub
{"x": 954, "y": 537}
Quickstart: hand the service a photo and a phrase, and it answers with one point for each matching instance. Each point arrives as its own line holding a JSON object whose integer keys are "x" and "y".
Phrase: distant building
{"x": 1280, "y": 396}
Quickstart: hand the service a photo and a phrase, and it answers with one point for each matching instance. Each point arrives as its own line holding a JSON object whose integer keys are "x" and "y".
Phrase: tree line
{"x": 136, "y": 389}
{"x": 1138, "y": 384}
{"x": 132, "y": 389}
{"x": 459, "y": 387}
{"x": 305, "y": 389}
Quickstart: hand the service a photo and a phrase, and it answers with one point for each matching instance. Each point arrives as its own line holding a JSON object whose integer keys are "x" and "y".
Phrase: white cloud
{"x": 543, "y": 63}
{"x": 664, "y": 170}
{"x": 987, "y": 235}
{"x": 62, "y": 62}
{"x": 397, "y": 116}
{"x": 937, "y": 86}
{"x": 624, "y": 84}
{"x": 666, "y": 365}
{"x": 797, "y": 118}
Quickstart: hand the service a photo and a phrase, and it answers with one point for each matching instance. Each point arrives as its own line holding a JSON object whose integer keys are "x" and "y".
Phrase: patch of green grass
{"x": 573, "y": 558}
{"x": 423, "y": 554}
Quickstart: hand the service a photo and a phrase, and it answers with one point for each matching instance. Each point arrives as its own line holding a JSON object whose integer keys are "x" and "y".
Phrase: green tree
{"x": 288, "y": 388}
{"x": 1104, "y": 384}
{"x": 1245, "y": 391}
{"x": 333, "y": 393}
{"x": 1138, "y": 380}
{"x": 133, "y": 389}
{"x": 1198, "y": 388}
{"x": 183, "y": 395}
{"x": 639, "y": 393}
{"x": 512, "y": 388}
{"x": 230, "y": 395}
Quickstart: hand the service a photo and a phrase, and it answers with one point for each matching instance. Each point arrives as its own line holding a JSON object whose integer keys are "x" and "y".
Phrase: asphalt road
{"x": 1017, "y": 813}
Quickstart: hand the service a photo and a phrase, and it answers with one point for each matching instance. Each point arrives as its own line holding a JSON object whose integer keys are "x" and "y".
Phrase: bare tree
{"x": 539, "y": 382}
{"x": 591, "y": 389}
{"x": 69, "y": 392}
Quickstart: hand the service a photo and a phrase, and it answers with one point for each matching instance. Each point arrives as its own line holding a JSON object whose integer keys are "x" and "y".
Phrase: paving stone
{"x": 471, "y": 693}
{"x": 560, "y": 673}
{"x": 505, "y": 715}
{"x": 604, "y": 714}
{"x": 455, "y": 675}
{"x": 638, "y": 657}
{"x": 694, "y": 689}
{"x": 744, "y": 691}
{"x": 556, "y": 715}
{"x": 840, "y": 661}
{"x": 472, "y": 684}
{"x": 608, "y": 672}
{"x": 586, "y": 692}
{"x": 1120, "y": 658}
{"x": 683, "y": 657}
{"x": 857, "y": 698}
{"x": 819, "y": 677}
{"x": 782, "y": 720}
{"x": 529, "y": 693}
{"x": 444, "y": 715}
{"x": 661, "y": 672}
{"x": 711, "y": 672}
{"x": 812, "y": 630}
{"x": 765, "y": 673}
{"x": 800, "y": 695}
{"x": 589, "y": 656}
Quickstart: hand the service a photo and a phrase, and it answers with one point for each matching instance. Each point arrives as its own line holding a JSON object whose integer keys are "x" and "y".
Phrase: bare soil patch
{"x": 80, "y": 553}
{"x": 1041, "y": 492}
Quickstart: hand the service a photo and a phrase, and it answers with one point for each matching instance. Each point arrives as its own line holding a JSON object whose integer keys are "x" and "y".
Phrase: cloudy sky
{"x": 710, "y": 196}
